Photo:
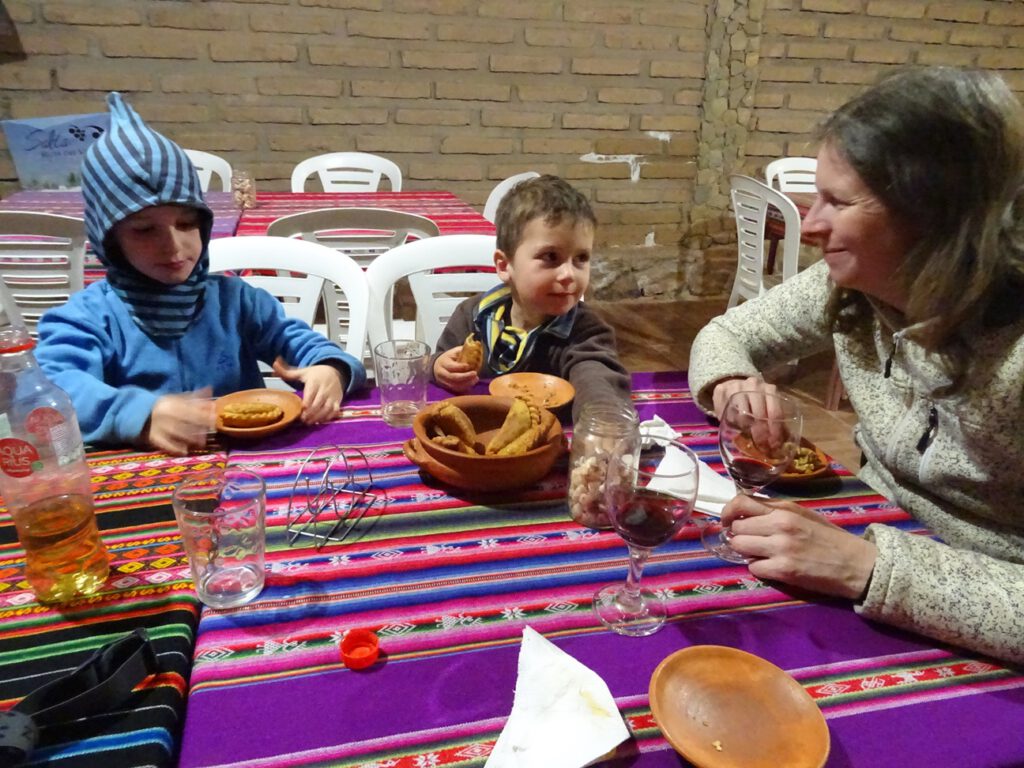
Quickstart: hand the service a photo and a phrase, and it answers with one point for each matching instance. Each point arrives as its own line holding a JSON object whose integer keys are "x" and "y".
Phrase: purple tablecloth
{"x": 448, "y": 580}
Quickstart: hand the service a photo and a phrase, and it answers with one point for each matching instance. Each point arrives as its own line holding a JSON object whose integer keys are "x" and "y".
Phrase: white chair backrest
{"x": 792, "y": 174}
{"x": 750, "y": 201}
{"x": 501, "y": 189}
{"x": 207, "y": 165}
{"x": 362, "y": 233}
{"x": 9, "y": 312}
{"x": 301, "y": 272}
{"x": 41, "y": 257}
{"x": 347, "y": 172}
{"x": 436, "y": 293}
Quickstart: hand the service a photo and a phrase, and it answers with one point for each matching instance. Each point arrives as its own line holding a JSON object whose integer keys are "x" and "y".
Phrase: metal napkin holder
{"x": 326, "y": 506}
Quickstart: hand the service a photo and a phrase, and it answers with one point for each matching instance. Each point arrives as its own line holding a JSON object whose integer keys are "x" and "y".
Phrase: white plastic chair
{"x": 792, "y": 174}
{"x": 301, "y": 272}
{"x": 501, "y": 189}
{"x": 207, "y": 165}
{"x": 436, "y": 293}
{"x": 347, "y": 172}
{"x": 750, "y": 201}
{"x": 362, "y": 233}
{"x": 41, "y": 257}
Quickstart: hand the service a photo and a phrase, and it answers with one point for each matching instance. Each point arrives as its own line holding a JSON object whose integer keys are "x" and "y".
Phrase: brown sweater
{"x": 587, "y": 357}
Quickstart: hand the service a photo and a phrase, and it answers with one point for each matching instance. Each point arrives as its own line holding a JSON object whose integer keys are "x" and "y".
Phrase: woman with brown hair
{"x": 921, "y": 293}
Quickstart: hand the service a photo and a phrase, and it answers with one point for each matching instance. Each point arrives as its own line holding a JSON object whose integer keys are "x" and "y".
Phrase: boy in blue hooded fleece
{"x": 141, "y": 352}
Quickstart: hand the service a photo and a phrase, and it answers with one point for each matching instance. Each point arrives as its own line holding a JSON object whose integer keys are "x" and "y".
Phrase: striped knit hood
{"x": 129, "y": 168}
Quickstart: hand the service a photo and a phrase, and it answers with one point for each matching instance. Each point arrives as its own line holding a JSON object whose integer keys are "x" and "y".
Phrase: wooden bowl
{"x": 541, "y": 389}
{"x": 477, "y": 472}
{"x": 720, "y": 706}
{"x": 289, "y": 402}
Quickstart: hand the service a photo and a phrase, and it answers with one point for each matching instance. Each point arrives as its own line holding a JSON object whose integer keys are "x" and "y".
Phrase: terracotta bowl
{"x": 721, "y": 707}
{"x": 481, "y": 473}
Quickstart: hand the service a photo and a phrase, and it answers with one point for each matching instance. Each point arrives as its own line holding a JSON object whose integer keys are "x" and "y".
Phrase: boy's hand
{"x": 180, "y": 423}
{"x": 323, "y": 389}
{"x": 452, "y": 374}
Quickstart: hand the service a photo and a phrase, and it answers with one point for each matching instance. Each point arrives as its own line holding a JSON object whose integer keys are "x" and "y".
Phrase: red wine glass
{"x": 758, "y": 436}
{"x": 648, "y": 501}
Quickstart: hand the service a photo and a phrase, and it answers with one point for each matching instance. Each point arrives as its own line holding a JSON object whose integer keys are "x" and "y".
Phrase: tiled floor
{"x": 656, "y": 336}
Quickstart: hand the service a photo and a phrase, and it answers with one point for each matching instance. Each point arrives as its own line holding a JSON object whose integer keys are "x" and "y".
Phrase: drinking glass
{"x": 758, "y": 436}
{"x": 222, "y": 516}
{"x": 647, "y": 505}
{"x": 403, "y": 370}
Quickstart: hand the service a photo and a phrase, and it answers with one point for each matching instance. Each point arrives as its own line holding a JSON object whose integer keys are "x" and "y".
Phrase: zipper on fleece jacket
{"x": 897, "y": 338}
{"x": 898, "y": 428}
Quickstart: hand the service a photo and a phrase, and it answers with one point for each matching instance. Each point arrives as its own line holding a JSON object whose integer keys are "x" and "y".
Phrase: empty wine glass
{"x": 758, "y": 436}
{"x": 648, "y": 501}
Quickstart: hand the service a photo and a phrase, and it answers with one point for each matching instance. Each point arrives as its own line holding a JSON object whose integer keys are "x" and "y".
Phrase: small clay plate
{"x": 821, "y": 462}
{"x": 720, "y": 707}
{"x": 288, "y": 402}
{"x": 541, "y": 389}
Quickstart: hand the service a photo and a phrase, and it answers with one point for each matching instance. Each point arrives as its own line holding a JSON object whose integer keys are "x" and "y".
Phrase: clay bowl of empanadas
{"x": 485, "y": 443}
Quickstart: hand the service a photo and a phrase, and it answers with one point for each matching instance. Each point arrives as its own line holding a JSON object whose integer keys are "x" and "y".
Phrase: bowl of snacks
{"x": 809, "y": 462}
{"x": 485, "y": 443}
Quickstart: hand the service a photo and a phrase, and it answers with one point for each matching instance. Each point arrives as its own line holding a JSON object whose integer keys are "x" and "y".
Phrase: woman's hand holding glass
{"x": 758, "y": 435}
{"x": 790, "y": 544}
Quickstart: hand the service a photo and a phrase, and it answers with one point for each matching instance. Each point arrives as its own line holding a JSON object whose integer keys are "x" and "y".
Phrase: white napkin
{"x": 713, "y": 490}
{"x": 563, "y": 715}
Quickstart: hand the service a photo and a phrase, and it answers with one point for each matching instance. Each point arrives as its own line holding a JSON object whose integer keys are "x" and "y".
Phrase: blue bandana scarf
{"x": 507, "y": 347}
{"x": 129, "y": 168}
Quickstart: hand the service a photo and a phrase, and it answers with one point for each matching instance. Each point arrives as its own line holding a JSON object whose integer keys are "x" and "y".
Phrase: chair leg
{"x": 773, "y": 246}
{"x": 836, "y": 391}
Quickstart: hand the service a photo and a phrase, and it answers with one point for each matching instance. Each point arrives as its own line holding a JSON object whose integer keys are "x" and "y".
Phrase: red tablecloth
{"x": 448, "y": 581}
{"x": 451, "y": 214}
{"x": 70, "y": 203}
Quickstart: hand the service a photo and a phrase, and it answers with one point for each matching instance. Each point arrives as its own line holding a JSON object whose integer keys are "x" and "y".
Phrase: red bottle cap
{"x": 359, "y": 648}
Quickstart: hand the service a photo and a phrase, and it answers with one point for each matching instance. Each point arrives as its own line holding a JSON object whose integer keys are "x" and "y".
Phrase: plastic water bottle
{"x": 44, "y": 478}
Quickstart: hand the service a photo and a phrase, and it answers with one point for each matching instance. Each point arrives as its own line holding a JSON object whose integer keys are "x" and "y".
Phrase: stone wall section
{"x": 646, "y": 105}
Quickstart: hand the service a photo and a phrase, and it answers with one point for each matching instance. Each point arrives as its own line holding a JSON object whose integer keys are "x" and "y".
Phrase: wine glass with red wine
{"x": 648, "y": 500}
{"x": 758, "y": 435}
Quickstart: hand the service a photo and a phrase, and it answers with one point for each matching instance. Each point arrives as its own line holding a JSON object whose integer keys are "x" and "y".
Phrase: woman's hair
{"x": 547, "y": 197}
{"x": 943, "y": 150}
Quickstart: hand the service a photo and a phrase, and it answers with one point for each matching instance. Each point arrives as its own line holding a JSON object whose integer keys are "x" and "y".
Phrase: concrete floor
{"x": 656, "y": 336}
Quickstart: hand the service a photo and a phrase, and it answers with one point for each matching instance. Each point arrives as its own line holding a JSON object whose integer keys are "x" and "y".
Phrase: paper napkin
{"x": 713, "y": 490}
{"x": 654, "y": 430}
{"x": 563, "y": 715}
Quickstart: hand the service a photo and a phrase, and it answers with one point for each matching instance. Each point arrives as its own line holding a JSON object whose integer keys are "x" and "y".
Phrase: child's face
{"x": 550, "y": 270}
{"x": 162, "y": 242}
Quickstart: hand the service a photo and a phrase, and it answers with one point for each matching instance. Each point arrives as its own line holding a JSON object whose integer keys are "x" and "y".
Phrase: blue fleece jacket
{"x": 114, "y": 372}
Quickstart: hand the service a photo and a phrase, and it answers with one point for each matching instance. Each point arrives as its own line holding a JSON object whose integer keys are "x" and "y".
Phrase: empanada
{"x": 452, "y": 420}
{"x": 250, "y": 414}
{"x": 517, "y": 421}
{"x": 472, "y": 353}
{"x": 525, "y": 442}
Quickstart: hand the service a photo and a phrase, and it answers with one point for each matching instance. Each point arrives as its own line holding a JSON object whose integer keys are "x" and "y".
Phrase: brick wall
{"x": 815, "y": 54}
{"x": 461, "y": 93}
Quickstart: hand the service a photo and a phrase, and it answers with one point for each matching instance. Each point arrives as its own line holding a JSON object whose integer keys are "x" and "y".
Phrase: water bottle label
{"x": 18, "y": 458}
{"x": 41, "y": 421}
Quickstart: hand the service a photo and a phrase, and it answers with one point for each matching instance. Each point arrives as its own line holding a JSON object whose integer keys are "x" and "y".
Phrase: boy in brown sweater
{"x": 533, "y": 320}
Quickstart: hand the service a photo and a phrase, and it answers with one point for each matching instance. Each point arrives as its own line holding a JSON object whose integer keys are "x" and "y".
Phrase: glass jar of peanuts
{"x": 597, "y": 431}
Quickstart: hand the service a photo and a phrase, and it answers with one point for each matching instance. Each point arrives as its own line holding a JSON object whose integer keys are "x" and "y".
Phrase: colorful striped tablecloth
{"x": 70, "y": 203}
{"x": 449, "y": 581}
{"x": 149, "y": 587}
{"x": 451, "y": 214}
